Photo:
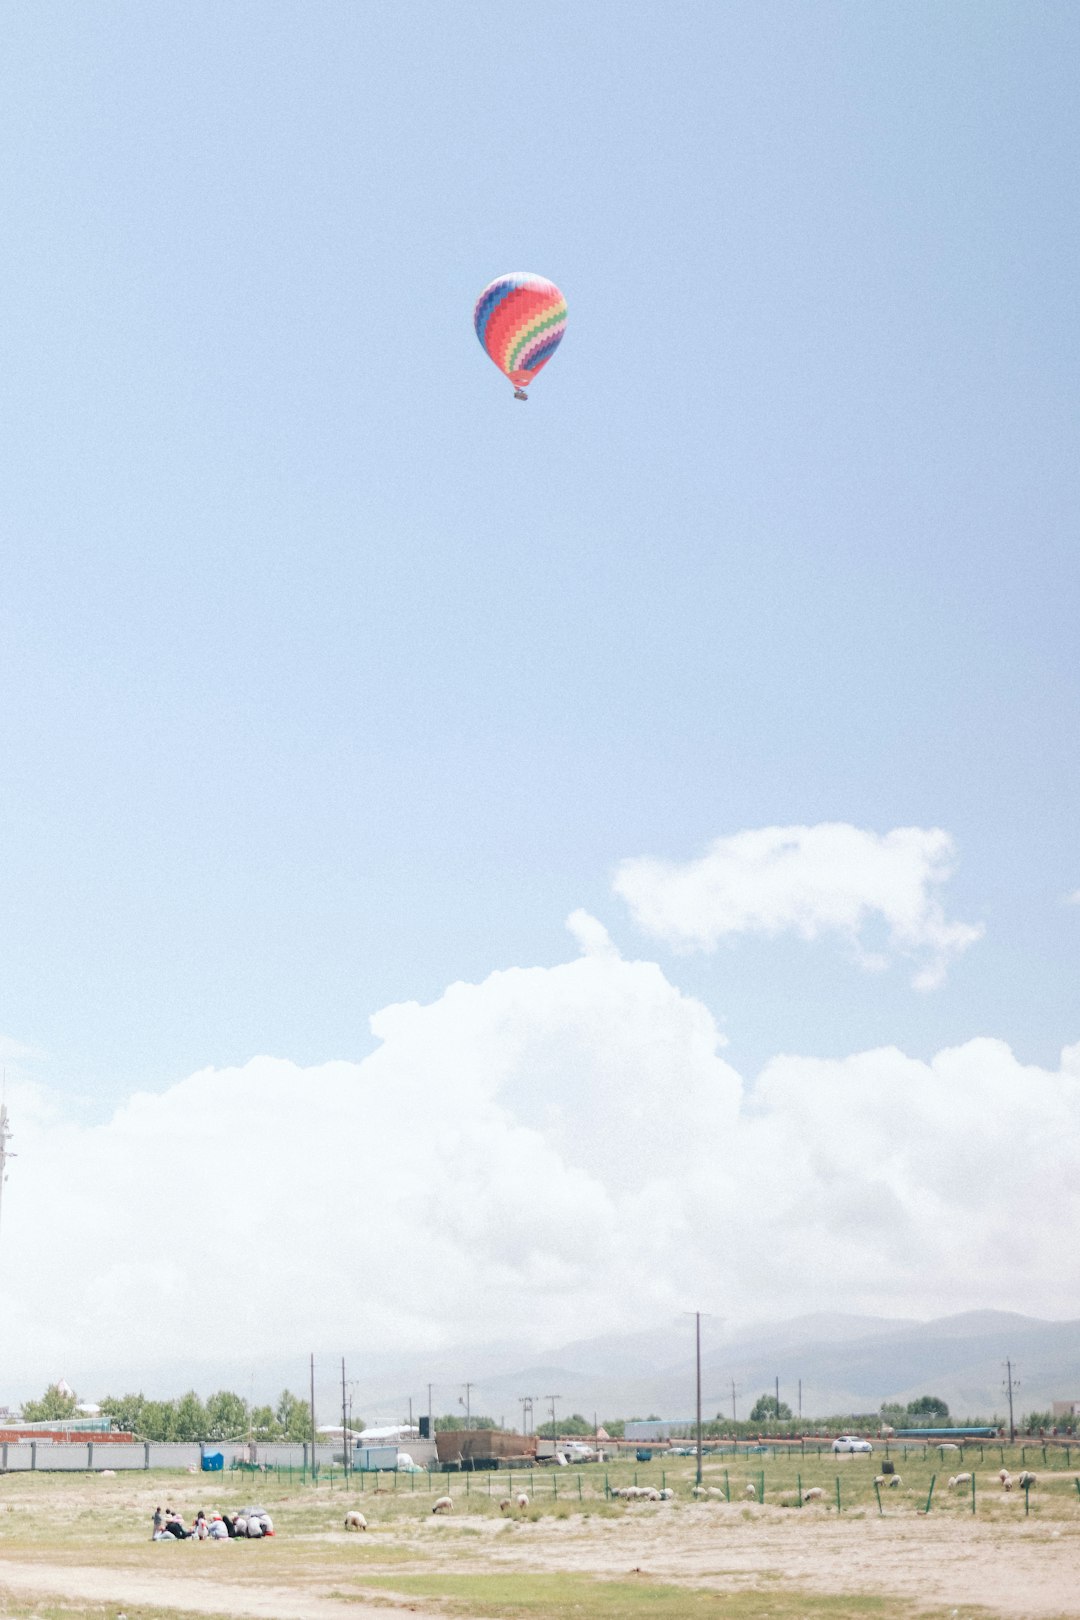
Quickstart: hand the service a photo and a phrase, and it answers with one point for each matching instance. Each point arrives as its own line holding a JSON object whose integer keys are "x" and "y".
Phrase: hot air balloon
{"x": 520, "y": 320}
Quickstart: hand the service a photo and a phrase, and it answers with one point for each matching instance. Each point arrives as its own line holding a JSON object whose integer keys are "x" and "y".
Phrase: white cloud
{"x": 549, "y": 1147}
{"x": 1073, "y": 899}
{"x": 830, "y": 879}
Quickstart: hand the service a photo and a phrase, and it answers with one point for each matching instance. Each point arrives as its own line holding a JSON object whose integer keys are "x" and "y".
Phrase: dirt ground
{"x": 85, "y": 1542}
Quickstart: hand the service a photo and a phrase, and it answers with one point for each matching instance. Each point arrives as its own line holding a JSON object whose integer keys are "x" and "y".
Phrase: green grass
{"x": 571, "y": 1596}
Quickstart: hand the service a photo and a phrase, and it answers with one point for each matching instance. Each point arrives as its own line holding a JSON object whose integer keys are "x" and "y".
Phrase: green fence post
{"x": 607, "y": 1486}
{"x": 838, "y": 1507}
{"x": 468, "y": 1481}
{"x": 877, "y": 1493}
{"x": 1077, "y": 1484}
{"x": 761, "y": 1498}
{"x": 1044, "y": 1456}
{"x": 798, "y": 1481}
{"x": 579, "y": 1495}
{"x": 973, "y": 1490}
{"x": 555, "y": 1485}
{"x": 727, "y": 1485}
{"x": 1027, "y": 1502}
{"x": 933, "y": 1478}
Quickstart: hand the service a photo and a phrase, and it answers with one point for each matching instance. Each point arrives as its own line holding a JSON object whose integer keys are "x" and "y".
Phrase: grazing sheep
{"x": 1027, "y": 1480}
{"x": 814, "y": 1494}
{"x": 716, "y": 1493}
{"x": 750, "y": 1492}
{"x": 1003, "y": 1474}
{"x": 355, "y": 1521}
{"x": 505, "y": 1505}
{"x": 959, "y": 1479}
{"x": 668, "y": 1495}
{"x": 522, "y": 1500}
{"x": 895, "y": 1482}
{"x": 1006, "y": 1480}
{"x": 444, "y": 1504}
{"x": 650, "y": 1494}
{"x": 948, "y": 1446}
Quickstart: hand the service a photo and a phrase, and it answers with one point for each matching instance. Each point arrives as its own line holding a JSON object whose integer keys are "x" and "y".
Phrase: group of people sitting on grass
{"x": 169, "y": 1526}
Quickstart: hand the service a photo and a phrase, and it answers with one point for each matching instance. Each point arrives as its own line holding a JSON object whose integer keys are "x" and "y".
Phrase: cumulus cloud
{"x": 811, "y": 881}
{"x": 550, "y": 1146}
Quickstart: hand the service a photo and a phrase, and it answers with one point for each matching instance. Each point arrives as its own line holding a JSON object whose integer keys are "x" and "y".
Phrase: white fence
{"x": 18, "y": 1456}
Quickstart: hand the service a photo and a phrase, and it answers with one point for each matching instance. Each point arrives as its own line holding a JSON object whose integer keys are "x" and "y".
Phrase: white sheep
{"x": 1006, "y": 1479}
{"x": 750, "y": 1492}
{"x": 444, "y": 1504}
{"x": 667, "y": 1494}
{"x": 1027, "y": 1479}
{"x": 505, "y": 1505}
{"x": 522, "y": 1500}
{"x": 948, "y": 1446}
{"x": 814, "y": 1494}
{"x": 355, "y": 1521}
{"x": 895, "y": 1482}
{"x": 959, "y": 1479}
{"x": 650, "y": 1494}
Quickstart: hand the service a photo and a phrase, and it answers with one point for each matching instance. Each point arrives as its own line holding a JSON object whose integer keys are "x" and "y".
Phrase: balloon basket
{"x": 519, "y": 393}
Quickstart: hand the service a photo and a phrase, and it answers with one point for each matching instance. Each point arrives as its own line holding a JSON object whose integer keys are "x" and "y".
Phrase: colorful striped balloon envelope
{"x": 520, "y": 320}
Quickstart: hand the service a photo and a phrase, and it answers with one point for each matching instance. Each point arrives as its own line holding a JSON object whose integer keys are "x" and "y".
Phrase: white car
{"x": 851, "y": 1442}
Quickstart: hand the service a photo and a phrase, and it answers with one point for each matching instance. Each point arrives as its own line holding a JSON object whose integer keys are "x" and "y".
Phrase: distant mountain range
{"x": 847, "y": 1364}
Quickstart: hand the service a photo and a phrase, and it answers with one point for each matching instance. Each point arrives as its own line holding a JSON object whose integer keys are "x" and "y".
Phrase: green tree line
{"x": 223, "y": 1416}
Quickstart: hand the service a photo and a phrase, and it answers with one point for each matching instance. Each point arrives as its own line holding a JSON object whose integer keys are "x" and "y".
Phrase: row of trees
{"x": 224, "y": 1416}
{"x": 227, "y": 1416}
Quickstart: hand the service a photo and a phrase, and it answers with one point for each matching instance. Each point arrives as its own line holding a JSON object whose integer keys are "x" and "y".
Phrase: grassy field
{"x": 79, "y": 1545}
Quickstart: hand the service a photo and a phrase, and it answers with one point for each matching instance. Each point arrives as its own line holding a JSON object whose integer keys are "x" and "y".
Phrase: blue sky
{"x": 331, "y": 676}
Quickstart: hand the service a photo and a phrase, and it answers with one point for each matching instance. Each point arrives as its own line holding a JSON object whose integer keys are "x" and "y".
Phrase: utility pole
{"x": 778, "y": 1402}
{"x": 466, "y": 1403}
{"x": 1011, "y": 1383}
{"x": 554, "y": 1431}
{"x": 697, "y": 1344}
{"x": 346, "y": 1437}
{"x": 430, "y": 1425}
{"x": 410, "y": 1412}
{"x": 5, "y": 1138}
{"x": 313, "y": 1463}
{"x": 800, "y": 1403}
{"x": 734, "y": 1414}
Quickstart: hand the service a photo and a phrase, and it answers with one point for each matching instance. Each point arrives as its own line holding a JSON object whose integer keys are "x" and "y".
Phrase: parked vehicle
{"x": 850, "y": 1442}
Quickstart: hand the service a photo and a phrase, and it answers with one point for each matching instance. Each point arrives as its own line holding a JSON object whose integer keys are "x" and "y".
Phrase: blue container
{"x": 644, "y": 1454}
{"x": 213, "y": 1462}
